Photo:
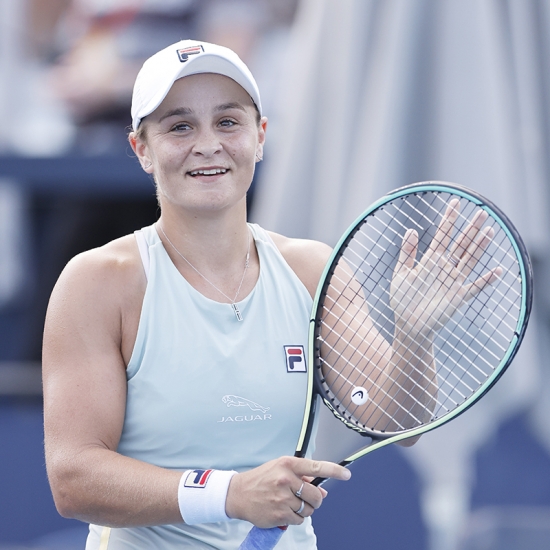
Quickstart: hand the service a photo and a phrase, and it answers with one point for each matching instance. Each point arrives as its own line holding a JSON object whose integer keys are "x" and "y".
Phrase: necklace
{"x": 233, "y": 304}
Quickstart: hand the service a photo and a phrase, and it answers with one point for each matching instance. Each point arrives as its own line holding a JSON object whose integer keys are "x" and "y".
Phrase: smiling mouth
{"x": 212, "y": 172}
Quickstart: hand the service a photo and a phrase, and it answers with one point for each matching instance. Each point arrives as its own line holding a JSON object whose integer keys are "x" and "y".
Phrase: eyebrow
{"x": 227, "y": 106}
{"x": 185, "y": 111}
{"x": 180, "y": 111}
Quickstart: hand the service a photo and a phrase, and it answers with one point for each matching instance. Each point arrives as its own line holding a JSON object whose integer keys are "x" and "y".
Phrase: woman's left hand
{"x": 425, "y": 295}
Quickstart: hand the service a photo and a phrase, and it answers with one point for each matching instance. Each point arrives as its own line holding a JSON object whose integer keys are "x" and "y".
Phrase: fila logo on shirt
{"x": 295, "y": 359}
{"x": 197, "y": 479}
{"x": 184, "y": 53}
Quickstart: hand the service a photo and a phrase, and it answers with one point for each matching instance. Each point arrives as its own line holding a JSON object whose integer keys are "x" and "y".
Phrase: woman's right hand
{"x": 266, "y": 495}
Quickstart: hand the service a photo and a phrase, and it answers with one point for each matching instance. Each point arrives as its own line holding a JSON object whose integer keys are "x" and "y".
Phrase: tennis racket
{"x": 450, "y": 333}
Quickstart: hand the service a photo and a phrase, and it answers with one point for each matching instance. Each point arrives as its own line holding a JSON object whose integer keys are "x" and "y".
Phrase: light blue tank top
{"x": 208, "y": 391}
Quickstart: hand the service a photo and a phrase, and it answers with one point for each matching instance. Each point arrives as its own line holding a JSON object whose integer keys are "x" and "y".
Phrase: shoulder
{"x": 307, "y": 258}
{"x": 118, "y": 259}
{"x": 103, "y": 277}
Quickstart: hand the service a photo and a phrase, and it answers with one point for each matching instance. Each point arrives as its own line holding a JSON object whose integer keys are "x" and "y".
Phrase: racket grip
{"x": 262, "y": 539}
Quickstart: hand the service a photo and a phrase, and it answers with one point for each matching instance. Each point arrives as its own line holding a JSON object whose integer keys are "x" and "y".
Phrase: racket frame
{"x": 314, "y": 388}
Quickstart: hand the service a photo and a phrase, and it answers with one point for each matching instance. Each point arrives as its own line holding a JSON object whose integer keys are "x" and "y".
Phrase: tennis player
{"x": 174, "y": 359}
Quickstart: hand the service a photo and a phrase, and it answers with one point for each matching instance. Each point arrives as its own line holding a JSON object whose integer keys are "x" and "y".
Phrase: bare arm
{"x": 84, "y": 402}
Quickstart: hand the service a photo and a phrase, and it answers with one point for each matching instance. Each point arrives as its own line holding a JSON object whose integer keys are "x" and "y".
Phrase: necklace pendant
{"x": 237, "y": 312}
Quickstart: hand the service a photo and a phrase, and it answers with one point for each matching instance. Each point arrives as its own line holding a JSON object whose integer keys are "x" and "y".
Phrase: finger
{"x": 470, "y": 233}
{"x": 311, "y": 495}
{"x": 305, "y": 511}
{"x": 442, "y": 237}
{"x": 309, "y": 479}
{"x": 408, "y": 251}
{"x": 475, "y": 250}
{"x": 320, "y": 468}
{"x": 487, "y": 279}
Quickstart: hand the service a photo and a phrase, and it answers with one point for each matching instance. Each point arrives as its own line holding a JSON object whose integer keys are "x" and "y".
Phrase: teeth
{"x": 209, "y": 172}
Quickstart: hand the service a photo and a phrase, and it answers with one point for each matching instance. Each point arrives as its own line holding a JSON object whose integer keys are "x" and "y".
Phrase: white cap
{"x": 185, "y": 58}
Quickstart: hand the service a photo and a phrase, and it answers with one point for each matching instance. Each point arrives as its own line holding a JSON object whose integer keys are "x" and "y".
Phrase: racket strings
{"x": 339, "y": 353}
{"x": 467, "y": 349}
{"x": 360, "y": 376}
{"x": 358, "y": 269}
{"x": 350, "y": 412}
{"x": 373, "y": 380}
{"x": 422, "y": 374}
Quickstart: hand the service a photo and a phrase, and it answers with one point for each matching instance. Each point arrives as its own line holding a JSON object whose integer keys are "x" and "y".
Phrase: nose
{"x": 207, "y": 143}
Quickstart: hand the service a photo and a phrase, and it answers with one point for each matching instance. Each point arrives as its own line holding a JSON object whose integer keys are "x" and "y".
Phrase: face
{"x": 201, "y": 144}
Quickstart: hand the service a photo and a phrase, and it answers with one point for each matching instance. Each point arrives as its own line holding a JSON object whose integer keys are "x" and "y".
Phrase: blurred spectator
{"x": 104, "y": 42}
{"x": 67, "y": 66}
{"x": 34, "y": 122}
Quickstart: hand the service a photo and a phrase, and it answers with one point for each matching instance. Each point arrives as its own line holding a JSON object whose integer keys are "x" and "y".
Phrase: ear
{"x": 140, "y": 148}
{"x": 261, "y": 138}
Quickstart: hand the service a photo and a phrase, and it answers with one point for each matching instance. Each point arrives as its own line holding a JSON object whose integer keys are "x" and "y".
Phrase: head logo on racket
{"x": 359, "y": 396}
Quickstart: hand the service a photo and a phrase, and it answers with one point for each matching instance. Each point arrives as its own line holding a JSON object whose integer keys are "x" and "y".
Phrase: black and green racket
{"x": 421, "y": 308}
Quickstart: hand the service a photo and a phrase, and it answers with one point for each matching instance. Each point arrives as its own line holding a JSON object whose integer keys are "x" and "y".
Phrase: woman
{"x": 180, "y": 366}
{"x": 164, "y": 352}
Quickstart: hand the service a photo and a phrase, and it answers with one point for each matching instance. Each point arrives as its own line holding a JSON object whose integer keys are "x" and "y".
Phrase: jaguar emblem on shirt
{"x": 237, "y": 401}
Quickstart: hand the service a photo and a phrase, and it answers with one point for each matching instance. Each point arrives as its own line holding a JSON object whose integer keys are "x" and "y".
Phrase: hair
{"x": 140, "y": 133}
{"x": 258, "y": 114}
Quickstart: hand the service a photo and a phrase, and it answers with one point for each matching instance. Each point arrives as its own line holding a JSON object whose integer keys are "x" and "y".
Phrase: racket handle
{"x": 318, "y": 481}
{"x": 262, "y": 539}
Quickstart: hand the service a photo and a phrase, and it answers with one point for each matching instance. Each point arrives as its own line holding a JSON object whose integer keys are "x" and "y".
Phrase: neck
{"x": 215, "y": 244}
{"x": 217, "y": 273}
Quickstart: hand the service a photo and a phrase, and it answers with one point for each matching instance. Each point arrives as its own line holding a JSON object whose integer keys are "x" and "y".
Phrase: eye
{"x": 227, "y": 122}
{"x": 180, "y": 127}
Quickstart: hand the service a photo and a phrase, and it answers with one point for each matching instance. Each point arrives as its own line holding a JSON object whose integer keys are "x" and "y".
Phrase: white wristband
{"x": 202, "y": 495}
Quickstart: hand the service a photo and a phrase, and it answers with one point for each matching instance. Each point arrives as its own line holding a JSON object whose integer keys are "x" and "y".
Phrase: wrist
{"x": 202, "y": 495}
{"x": 408, "y": 334}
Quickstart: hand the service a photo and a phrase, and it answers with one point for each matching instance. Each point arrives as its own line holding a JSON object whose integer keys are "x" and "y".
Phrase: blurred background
{"x": 363, "y": 96}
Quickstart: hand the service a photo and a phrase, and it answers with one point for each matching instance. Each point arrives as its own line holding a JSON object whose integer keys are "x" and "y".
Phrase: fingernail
{"x": 347, "y": 474}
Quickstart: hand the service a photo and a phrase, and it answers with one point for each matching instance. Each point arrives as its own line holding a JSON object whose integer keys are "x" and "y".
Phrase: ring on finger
{"x": 298, "y": 493}
{"x": 301, "y": 509}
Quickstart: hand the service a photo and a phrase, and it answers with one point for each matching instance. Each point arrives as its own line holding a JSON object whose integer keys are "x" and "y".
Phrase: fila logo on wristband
{"x": 197, "y": 479}
{"x": 207, "y": 505}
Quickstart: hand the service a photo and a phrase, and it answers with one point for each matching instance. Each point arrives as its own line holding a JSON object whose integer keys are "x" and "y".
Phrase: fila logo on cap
{"x": 197, "y": 479}
{"x": 295, "y": 359}
{"x": 184, "y": 53}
